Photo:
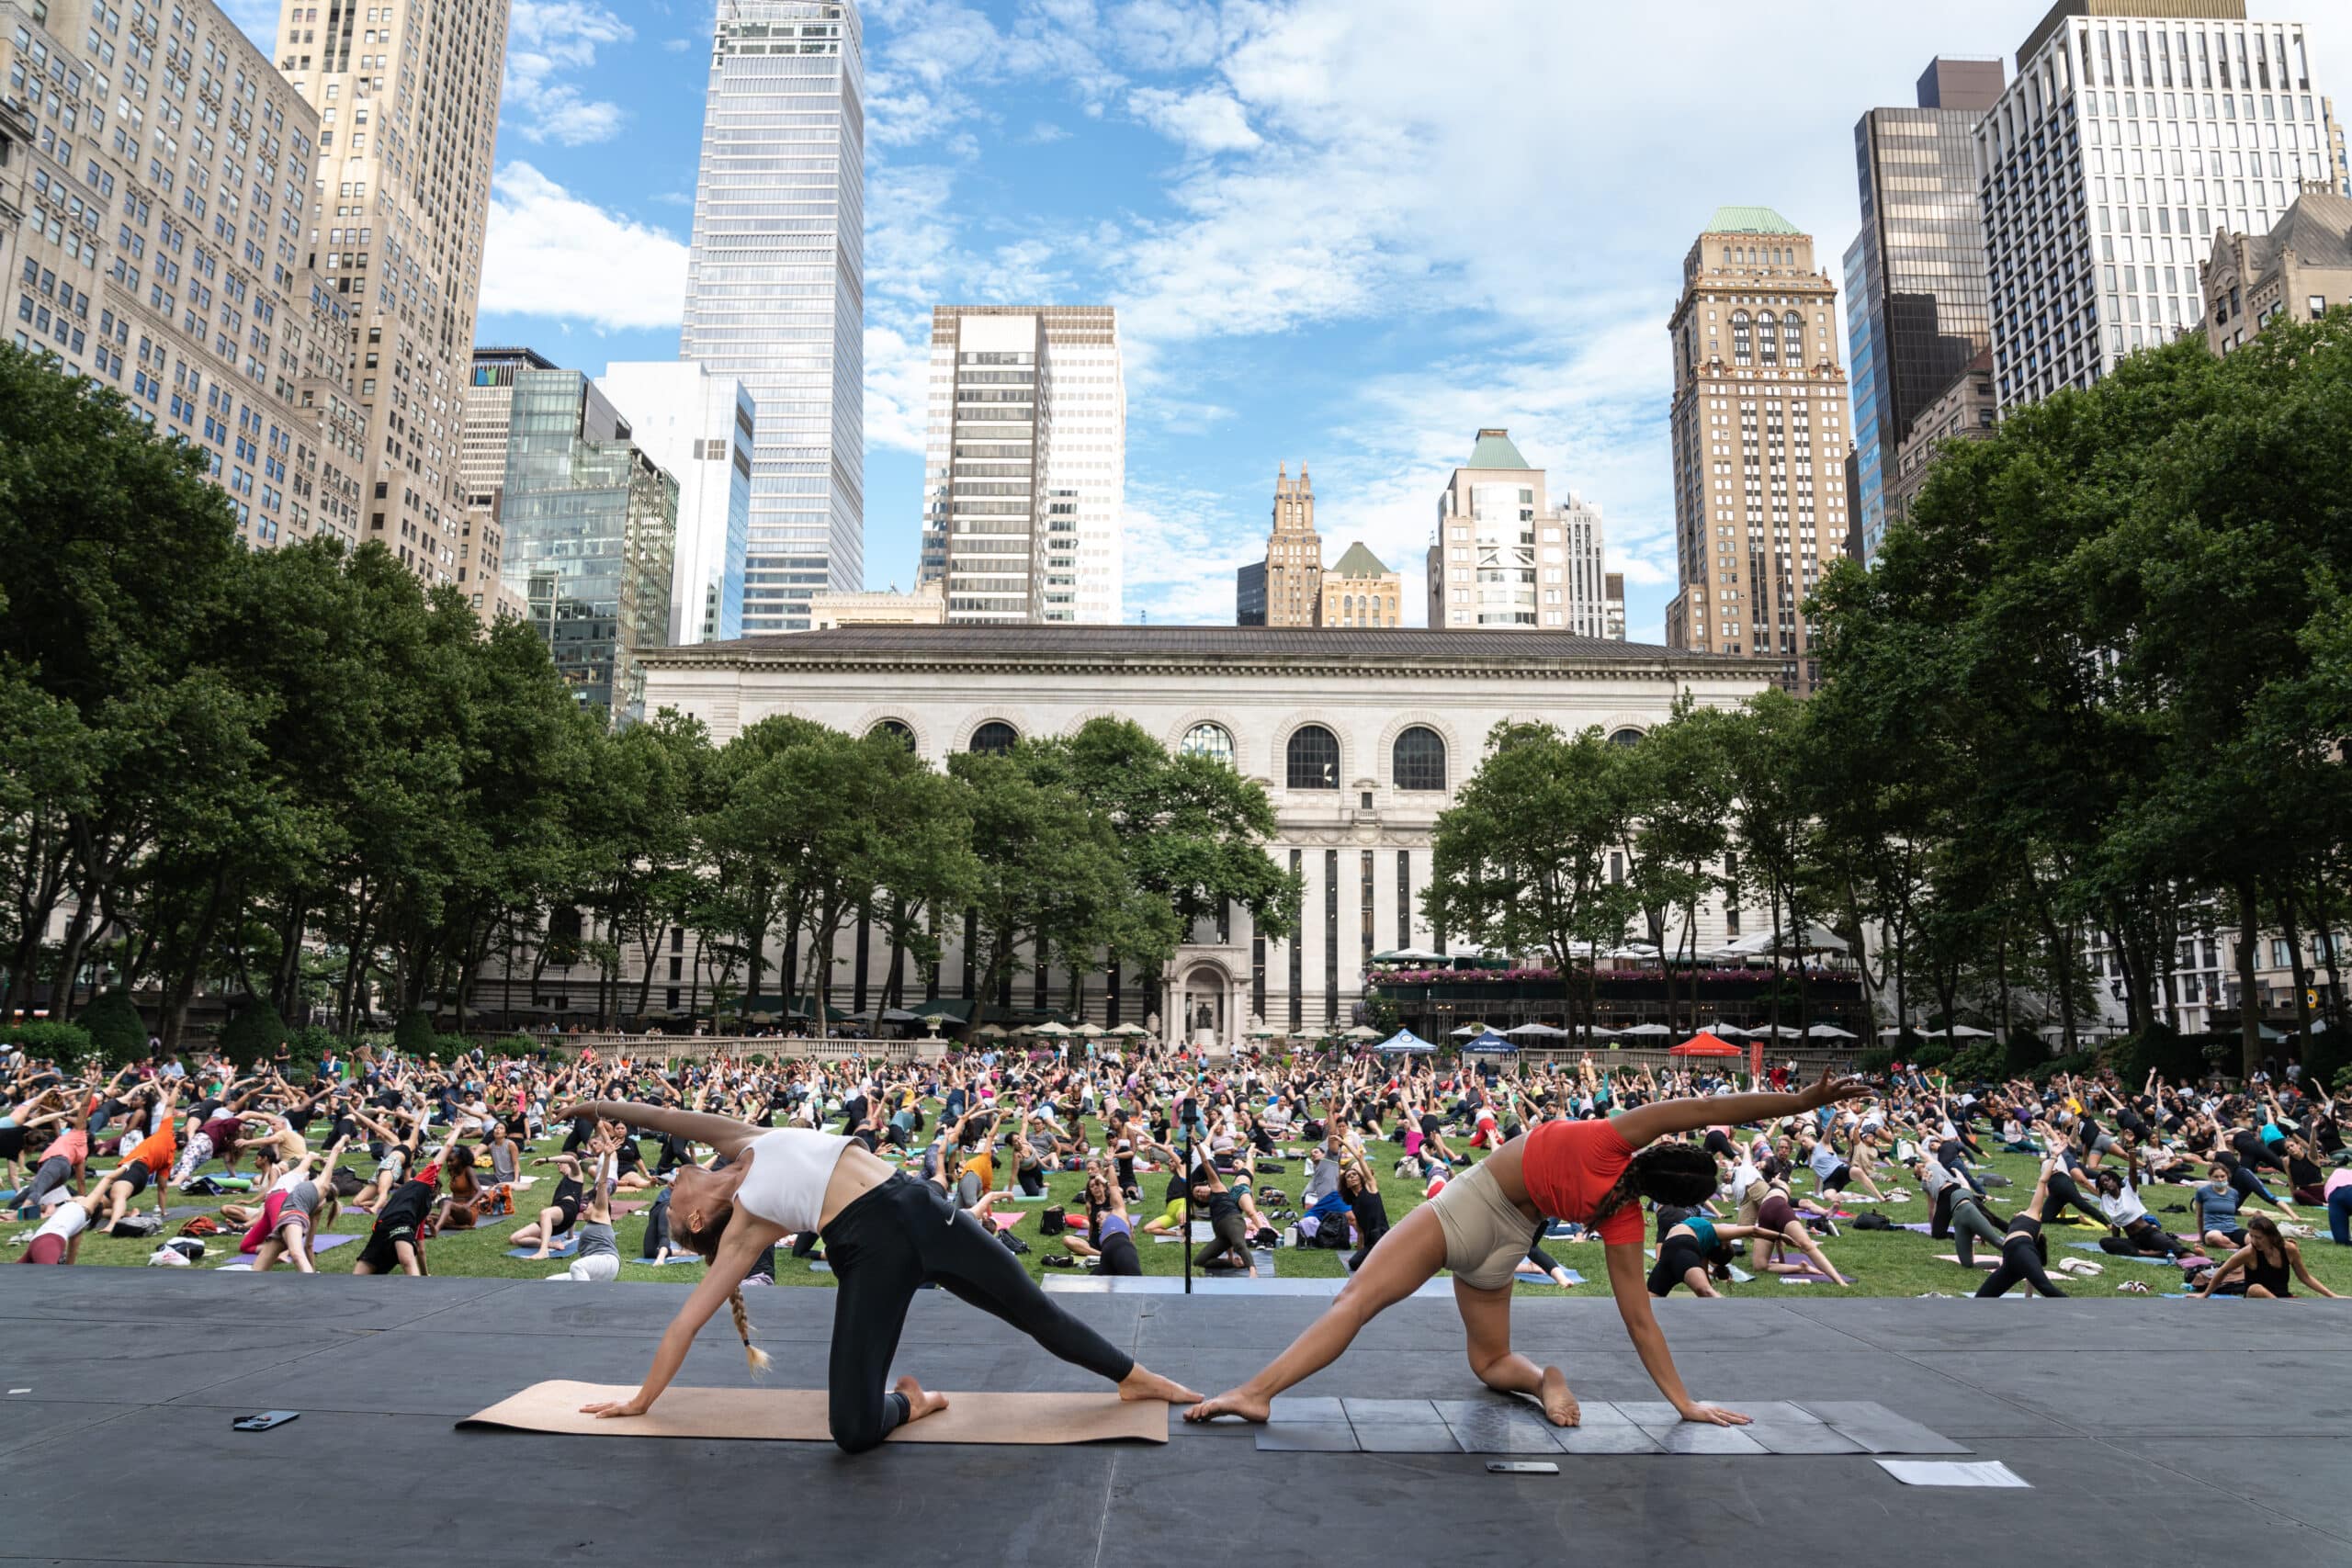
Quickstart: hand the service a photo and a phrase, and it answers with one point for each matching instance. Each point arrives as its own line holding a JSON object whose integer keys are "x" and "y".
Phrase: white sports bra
{"x": 790, "y": 1169}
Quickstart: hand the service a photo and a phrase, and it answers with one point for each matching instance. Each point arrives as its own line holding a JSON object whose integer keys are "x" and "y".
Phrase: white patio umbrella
{"x": 1408, "y": 955}
{"x": 1727, "y": 1031}
{"x": 1829, "y": 1032}
{"x": 1536, "y": 1032}
{"x": 1092, "y": 1031}
{"x": 1130, "y": 1029}
{"x": 1053, "y": 1027}
{"x": 1646, "y": 1029}
{"x": 1963, "y": 1031}
{"x": 1470, "y": 1031}
{"x": 1361, "y": 1032}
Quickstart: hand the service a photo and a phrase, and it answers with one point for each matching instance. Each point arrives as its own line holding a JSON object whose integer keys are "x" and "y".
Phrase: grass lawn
{"x": 1881, "y": 1263}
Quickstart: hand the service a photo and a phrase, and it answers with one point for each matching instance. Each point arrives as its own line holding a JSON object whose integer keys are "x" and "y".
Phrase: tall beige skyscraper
{"x": 406, "y": 96}
{"x": 1759, "y": 441}
{"x": 1285, "y": 589}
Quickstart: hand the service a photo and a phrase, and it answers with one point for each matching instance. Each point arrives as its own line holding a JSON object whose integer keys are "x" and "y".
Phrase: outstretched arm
{"x": 1647, "y": 1123}
{"x": 1628, "y": 1281}
{"x": 725, "y": 1133}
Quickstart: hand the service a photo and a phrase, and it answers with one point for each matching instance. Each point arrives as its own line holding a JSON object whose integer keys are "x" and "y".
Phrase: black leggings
{"x": 2062, "y": 1191}
{"x": 1970, "y": 1225}
{"x": 883, "y": 1249}
{"x": 2020, "y": 1260}
{"x": 1118, "y": 1254}
{"x": 1230, "y": 1247}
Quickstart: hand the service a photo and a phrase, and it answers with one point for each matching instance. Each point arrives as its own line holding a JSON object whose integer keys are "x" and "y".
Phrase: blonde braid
{"x": 752, "y": 1353}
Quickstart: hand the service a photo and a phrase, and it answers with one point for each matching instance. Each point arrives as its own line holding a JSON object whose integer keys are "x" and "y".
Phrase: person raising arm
{"x": 886, "y": 1234}
{"x": 1595, "y": 1173}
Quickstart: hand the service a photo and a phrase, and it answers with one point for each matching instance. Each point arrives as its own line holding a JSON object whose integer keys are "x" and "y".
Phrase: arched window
{"x": 1213, "y": 741}
{"x": 995, "y": 737}
{"x": 1312, "y": 760}
{"x": 1627, "y": 737}
{"x": 1793, "y": 338}
{"x": 897, "y": 730}
{"x": 1742, "y": 344}
{"x": 1766, "y": 341}
{"x": 1418, "y": 759}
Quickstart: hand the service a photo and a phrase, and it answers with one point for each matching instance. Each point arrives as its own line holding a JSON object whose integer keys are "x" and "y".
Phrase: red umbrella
{"x": 1705, "y": 1044}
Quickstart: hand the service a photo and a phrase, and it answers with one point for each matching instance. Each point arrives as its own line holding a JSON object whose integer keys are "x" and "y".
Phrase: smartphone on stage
{"x": 264, "y": 1420}
{"x": 1521, "y": 1467}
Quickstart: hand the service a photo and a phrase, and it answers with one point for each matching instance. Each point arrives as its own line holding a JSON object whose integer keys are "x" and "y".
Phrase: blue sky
{"x": 1346, "y": 232}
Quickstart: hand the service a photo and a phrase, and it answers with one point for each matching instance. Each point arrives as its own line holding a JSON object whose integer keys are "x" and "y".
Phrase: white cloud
{"x": 1207, "y": 121}
{"x": 546, "y": 38}
{"x": 1182, "y": 546}
{"x": 677, "y": 45}
{"x": 1045, "y": 132}
{"x": 550, "y": 254}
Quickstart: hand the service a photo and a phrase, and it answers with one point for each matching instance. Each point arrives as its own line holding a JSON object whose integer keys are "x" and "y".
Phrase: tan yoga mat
{"x": 798, "y": 1415}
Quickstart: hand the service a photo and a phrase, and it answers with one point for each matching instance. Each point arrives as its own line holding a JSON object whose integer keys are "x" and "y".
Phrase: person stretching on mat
{"x": 886, "y": 1234}
{"x": 1593, "y": 1172}
{"x": 2025, "y": 1252}
{"x": 1693, "y": 1248}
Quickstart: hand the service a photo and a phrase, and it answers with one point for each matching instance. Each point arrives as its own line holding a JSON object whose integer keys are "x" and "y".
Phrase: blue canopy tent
{"x": 1490, "y": 1042}
{"x": 1404, "y": 1043}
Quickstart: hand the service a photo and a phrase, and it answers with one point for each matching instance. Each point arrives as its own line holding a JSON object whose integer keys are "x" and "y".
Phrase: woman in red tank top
{"x": 1596, "y": 1173}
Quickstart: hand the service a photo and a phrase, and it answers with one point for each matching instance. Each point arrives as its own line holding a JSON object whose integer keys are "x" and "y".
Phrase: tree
{"x": 1520, "y": 862}
{"x": 1048, "y": 870}
{"x": 1192, "y": 830}
{"x": 1675, "y": 810}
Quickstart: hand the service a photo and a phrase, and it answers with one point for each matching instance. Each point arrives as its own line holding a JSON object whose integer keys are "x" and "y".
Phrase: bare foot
{"x": 1250, "y": 1407}
{"x": 919, "y": 1403}
{"x": 1560, "y": 1407}
{"x": 1143, "y": 1385}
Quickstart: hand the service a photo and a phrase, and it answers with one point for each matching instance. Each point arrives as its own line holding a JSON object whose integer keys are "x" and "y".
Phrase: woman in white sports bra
{"x": 885, "y": 1235}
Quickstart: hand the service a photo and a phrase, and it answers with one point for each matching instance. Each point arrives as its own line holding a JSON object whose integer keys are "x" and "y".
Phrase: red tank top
{"x": 1569, "y": 1167}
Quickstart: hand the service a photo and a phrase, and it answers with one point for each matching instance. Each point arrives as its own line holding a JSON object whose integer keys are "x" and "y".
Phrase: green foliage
{"x": 2100, "y": 670}
{"x": 2022, "y": 1053}
{"x": 413, "y": 1035}
{"x": 2342, "y": 1079}
{"x": 50, "y": 1040}
{"x": 1931, "y": 1053}
{"x": 2158, "y": 1048}
{"x": 118, "y": 1035}
{"x": 1874, "y": 1063}
{"x": 253, "y": 1035}
{"x": 312, "y": 1045}
{"x": 1983, "y": 1061}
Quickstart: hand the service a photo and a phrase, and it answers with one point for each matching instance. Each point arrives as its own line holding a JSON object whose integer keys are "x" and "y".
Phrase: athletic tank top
{"x": 789, "y": 1171}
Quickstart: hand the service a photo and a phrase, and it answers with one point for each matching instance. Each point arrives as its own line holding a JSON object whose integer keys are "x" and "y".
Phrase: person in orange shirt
{"x": 148, "y": 1163}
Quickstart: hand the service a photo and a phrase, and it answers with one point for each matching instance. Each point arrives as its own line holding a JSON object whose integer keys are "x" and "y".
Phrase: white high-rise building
{"x": 1025, "y": 463}
{"x": 701, "y": 425}
{"x": 775, "y": 286}
{"x": 2134, "y": 131}
{"x": 1504, "y": 555}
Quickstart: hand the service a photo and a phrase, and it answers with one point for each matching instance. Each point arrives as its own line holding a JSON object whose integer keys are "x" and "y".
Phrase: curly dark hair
{"x": 1681, "y": 1174}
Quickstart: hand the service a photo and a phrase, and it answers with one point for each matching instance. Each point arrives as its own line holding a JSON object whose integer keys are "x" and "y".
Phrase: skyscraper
{"x": 407, "y": 98}
{"x": 175, "y": 274}
{"x": 591, "y": 525}
{"x": 1759, "y": 442}
{"x": 1025, "y": 474}
{"x": 1506, "y": 557}
{"x": 2134, "y": 131}
{"x": 1285, "y": 589}
{"x": 775, "y": 286}
{"x": 1915, "y": 276}
{"x": 487, "y": 419}
{"x": 700, "y": 426}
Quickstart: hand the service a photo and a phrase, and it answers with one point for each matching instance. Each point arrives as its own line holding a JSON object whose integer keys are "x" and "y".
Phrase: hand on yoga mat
{"x": 1714, "y": 1415}
{"x": 612, "y": 1407}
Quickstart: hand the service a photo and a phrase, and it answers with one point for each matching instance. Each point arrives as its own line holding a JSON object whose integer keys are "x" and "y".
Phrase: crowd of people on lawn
{"x": 1248, "y": 1157}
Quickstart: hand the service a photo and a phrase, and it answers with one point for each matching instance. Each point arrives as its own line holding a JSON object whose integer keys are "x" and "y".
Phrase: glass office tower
{"x": 591, "y": 522}
{"x": 1915, "y": 276}
{"x": 775, "y": 286}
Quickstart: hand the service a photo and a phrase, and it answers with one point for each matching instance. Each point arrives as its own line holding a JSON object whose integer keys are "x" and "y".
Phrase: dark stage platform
{"x": 2148, "y": 1430}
